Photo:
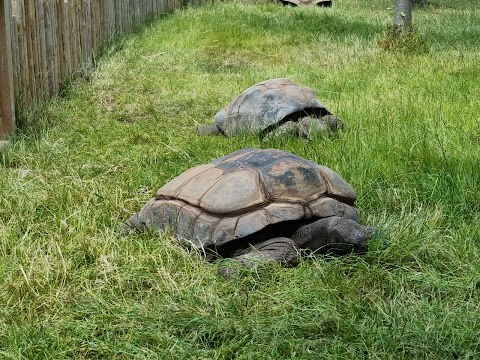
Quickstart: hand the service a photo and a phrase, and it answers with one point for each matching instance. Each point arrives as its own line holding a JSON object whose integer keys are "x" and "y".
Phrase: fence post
{"x": 7, "y": 105}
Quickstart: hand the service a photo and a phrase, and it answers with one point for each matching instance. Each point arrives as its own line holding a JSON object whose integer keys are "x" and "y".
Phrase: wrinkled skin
{"x": 334, "y": 234}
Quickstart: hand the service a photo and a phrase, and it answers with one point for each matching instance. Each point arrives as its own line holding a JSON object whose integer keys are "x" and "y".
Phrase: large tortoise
{"x": 258, "y": 204}
{"x": 274, "y": 106}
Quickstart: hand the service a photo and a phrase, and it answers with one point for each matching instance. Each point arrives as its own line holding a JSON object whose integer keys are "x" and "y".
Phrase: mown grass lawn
{"x": 71, "y": 287}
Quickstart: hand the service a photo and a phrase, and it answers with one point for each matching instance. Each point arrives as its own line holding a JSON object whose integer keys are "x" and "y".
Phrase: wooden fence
{"x": 7, "y": 110}
{"x": 42, "y": 42}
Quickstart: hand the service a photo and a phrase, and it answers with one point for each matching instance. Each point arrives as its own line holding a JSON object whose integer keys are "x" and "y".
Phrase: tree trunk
{"x": 402, "y": 20}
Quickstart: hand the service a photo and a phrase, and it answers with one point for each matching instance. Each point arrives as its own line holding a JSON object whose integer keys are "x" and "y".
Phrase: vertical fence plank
{"x": 29, "y": 57}
{"x": 101, "y": 24}
{"x": 128, "y": 14}
{"x": 136, "y": 11}
{"x": 87, "y": 30}
{"x": 162, "y": 7}
{"x": 63, "y": 38}
{"x": 56, "y": 49}
{"x": 156, "y": 11}
{"x": 118, "y": 9}
{"x": 104, "y": 9}
{"x": 81, "y": 30}
{"x": 93, "y": 25}
{"x": 124, "y": 16}
{"x": 41, "y": 49}
{"x": 47, "y": 11}
{"x": 7, "y": 108}
{"x": 22, "y": 81}
{"x": 110, "y": 19}
{"x": 73, "y": 30}
{"x": 15, "y": 53}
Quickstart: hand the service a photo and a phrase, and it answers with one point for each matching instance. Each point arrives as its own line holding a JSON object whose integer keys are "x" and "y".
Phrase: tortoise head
{"x": 334, "y": 234}
{"x": 349, "y": 236}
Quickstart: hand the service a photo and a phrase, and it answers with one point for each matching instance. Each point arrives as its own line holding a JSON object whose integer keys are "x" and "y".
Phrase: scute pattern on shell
{"x": 267, "y": 104}
{"x": 242, "y": 193}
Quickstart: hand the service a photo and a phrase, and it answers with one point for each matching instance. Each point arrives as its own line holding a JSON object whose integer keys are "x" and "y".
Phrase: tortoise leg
{"x": 281, "y": 249}
{"x": 309, "y": 127}
{"x": 336, "y": 234}
{"x": 286, "y": 129}
{"x": 211, "y": 129}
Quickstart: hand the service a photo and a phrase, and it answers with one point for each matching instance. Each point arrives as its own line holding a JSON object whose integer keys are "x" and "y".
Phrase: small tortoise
{"x": 257, "y": 204}
{"x": 274, "y": 107}
{"x": 323, "y": 3}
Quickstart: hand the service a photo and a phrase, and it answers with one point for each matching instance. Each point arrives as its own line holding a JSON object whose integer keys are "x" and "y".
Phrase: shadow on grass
{"x": 466, "y": 39}
{"x": 305, "y": 24}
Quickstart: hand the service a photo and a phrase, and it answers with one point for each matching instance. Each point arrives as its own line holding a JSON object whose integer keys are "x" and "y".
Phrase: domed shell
{"x": 267, "y": 104}
{"x": 242, "y": 193}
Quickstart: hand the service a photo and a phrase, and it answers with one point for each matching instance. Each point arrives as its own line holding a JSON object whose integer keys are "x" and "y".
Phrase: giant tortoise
{"x": 274, "y": 107}
{"x": 256, "y": 204}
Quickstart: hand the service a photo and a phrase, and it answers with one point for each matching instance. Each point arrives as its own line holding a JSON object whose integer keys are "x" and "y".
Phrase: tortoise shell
{"x": 244, "y": 192}
{"x": 266, "y": 105}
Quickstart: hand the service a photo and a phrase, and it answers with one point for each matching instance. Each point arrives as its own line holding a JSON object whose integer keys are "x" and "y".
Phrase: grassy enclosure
{"x": 71, "y": 287}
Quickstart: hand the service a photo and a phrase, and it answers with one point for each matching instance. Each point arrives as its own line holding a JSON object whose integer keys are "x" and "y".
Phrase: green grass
{"x": 81, "y": 164}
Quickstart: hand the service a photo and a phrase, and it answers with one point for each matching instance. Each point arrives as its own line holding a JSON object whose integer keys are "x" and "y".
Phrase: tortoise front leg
{"x": 281, "y": 249}
{"x": 309, "y": 127}
{"x": 286, "y": 129}
{"x": 335, "y": 234}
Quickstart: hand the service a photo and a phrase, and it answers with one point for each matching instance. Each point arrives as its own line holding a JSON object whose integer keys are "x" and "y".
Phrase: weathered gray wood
{"x": 7, "y": 108}
{"x": 49, "y": 52}
{"x": 87, "y": 29}
{"x": 14, "y": 44}
{"x": 110, "y": 13}
{"x": 74, "y": 36}
{"x": 41, "y": 49}
{"x": 21, "y": 82}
